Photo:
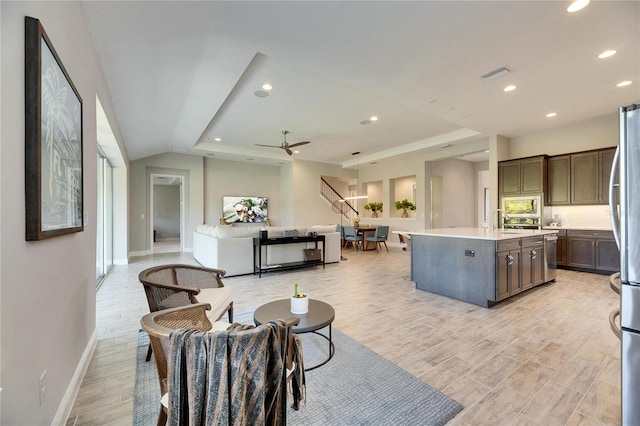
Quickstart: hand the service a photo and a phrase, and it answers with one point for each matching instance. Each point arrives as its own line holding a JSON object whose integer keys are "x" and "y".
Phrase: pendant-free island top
{"x": 480, "y": 265}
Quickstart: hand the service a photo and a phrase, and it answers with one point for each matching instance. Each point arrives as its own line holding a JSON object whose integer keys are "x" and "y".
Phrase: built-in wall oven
{"x": 523, "y": 212}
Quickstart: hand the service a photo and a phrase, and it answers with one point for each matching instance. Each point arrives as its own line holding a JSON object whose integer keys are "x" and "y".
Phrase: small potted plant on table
{"x": 299, "y": 301}
{"x": 405, "y": 205}
{"x": 374, "y": 207}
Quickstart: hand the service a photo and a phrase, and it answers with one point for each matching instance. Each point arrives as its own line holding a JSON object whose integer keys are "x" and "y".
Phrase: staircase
{"x": 333, "y": 197}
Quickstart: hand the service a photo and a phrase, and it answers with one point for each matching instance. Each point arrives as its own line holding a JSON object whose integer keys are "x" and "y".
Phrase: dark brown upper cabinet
{"x": 559, "y": 183}
{"x": 590, "y": 176}
{"x": 523, "y": 176}
{"x": 581, "y": 178}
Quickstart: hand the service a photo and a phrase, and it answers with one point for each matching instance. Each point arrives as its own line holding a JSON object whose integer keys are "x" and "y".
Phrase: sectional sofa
{"x": 231, "y": 247}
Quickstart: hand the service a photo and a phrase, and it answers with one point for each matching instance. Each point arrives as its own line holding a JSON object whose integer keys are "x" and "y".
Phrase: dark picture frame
{"x": 53, "y": 141}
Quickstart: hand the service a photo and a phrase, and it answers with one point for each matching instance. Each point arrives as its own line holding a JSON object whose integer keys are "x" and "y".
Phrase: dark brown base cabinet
{"x": 532, "y": 262}
{"x": 561, "y": 248}
{"x": 508, "y": 278}
{"x": 592, "y": 251}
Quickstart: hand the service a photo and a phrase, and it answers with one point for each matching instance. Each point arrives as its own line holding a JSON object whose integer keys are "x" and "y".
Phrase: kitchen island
{"x": 478, "y": 265}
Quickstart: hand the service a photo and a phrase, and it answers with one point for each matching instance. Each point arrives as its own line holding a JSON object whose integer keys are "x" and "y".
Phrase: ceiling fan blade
{"x": 268, "y": 146}
{"x": 288, "y": 150}
{"x": 299, "y": 143}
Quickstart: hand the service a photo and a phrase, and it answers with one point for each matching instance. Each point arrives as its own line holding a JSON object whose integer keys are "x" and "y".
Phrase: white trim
{"x": 120, "y": 261}
{"x": 140, "y": 253}
{"x": 64, "y": 409}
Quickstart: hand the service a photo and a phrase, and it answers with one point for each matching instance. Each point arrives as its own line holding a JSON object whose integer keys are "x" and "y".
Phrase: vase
{"x": 374, "y": 213}
{"x": 405, "y": 213}
{"x": 299, "y": 305}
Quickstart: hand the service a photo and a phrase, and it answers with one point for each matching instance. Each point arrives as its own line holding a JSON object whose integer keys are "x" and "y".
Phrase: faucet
{"x": 495, "y": 215}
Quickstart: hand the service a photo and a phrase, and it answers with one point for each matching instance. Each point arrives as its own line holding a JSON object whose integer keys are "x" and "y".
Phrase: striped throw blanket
{"x": 232, "y": 377}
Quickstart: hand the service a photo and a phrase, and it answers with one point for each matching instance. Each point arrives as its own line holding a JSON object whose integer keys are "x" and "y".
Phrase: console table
{"x": 258, "y": 243}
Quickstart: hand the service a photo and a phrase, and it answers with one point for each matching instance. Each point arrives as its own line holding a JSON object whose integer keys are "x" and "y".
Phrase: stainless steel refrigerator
{"x": 624, "y": 203}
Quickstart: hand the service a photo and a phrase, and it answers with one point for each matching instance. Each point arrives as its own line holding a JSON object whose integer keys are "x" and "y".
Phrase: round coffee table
{"x": 320, "y": 315}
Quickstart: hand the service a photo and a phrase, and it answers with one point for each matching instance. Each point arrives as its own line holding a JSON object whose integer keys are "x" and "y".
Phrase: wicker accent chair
{"x": 159, "y": 325}
{"x": 173, "y": 285}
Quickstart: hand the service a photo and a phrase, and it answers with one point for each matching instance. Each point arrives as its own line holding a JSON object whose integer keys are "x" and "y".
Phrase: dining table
{"x": 364, "y": 230}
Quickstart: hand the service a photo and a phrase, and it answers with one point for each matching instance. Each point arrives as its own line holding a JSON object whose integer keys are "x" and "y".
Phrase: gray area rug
{"x": 356, "y": 387}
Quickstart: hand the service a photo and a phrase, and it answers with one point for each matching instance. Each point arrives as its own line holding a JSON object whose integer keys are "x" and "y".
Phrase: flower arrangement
{"x": 405, "y": 205}
{"x": 374, "y": 207}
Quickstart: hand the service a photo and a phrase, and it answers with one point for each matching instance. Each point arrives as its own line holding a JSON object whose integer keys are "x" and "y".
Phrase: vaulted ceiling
{"x": 183, "y": 73}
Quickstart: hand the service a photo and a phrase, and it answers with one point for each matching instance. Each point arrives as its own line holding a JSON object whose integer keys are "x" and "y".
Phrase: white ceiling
{"x": 181, "y": 73}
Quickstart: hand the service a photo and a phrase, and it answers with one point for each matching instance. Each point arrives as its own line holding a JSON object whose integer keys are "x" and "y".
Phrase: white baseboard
{"x": 64, "y": 409}
{"x": 139, "y": 253}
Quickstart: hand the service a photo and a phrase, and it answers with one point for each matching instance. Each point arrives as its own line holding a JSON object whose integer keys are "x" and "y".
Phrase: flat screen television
{"x": 244, "y": 209}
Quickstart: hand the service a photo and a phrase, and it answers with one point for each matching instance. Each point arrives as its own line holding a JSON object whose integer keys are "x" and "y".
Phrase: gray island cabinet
{"x": 477, "y": 265}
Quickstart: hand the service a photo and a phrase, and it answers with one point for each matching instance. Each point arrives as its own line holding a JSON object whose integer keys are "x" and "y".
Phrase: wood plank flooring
{"x": 546, "y": 357}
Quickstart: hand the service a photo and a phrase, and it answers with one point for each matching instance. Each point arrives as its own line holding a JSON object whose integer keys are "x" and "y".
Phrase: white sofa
{"x": 231, "y": 247}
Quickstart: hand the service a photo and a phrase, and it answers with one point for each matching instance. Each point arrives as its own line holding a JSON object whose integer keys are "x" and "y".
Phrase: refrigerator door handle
{"x": 613, "y": 197}
{"x": 612, "y": 323}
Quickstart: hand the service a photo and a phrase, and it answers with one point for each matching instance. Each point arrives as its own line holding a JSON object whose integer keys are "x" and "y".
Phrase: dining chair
{"x": 352, "y": 236}
{"x": 380, "y": 237}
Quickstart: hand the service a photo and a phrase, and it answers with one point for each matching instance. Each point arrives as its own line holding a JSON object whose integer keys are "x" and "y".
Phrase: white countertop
{"x": 480, "y": 233}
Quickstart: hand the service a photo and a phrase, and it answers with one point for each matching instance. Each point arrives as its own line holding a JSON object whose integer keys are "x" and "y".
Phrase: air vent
{"x": 498, "y": 72}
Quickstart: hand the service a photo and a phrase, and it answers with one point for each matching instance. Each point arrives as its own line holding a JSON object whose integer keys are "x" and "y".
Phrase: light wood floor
{"x": 546, "y": 357}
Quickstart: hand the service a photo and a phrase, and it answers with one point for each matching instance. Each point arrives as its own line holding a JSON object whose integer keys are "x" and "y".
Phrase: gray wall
{"x": 458, "y": 188}
{"x": 166, "y": 211}
{"x": 237, "y": 179}
{"x": 190, "y": 167}
{"x": 47, "y": 288}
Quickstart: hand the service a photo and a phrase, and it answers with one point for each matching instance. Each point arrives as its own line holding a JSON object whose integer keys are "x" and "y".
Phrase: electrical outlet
{"x": 42, "y": 387}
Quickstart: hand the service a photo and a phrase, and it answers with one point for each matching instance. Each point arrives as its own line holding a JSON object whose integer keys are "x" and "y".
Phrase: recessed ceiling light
{"x": 624, "y": 83}
{"x": 267, "y": 86}
{"x": 431, "y": 100}
{"x": 374, "y": 118}
{"x": 607, "y": 54}
{"x": 261, "y": 93}
{"x": 365, "y": 122}
{"x": 510, "y": 88}
{"x": 486, "y": 150}
{"x": 577, "y": 5}
{"x": 249, "y": 159}
{"x": 551, "y": 114}
{"x": 296, "y": 152}
{"x": 217, "y": 139}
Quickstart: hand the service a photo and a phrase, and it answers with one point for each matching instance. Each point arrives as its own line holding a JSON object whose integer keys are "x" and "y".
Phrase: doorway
{"x": 166, "y": 213}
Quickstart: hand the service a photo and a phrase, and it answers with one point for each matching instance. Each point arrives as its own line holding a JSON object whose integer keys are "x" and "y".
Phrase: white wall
{"x": 595, "y": 133}
{"x": 47, "y": 293}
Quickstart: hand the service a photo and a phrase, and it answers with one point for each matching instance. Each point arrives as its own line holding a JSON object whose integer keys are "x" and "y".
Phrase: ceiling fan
{"x": 285, "y": 145}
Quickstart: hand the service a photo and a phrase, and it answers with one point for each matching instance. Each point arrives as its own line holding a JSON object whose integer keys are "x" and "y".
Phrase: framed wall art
{"x": 53, "y": 141}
